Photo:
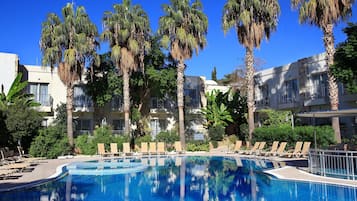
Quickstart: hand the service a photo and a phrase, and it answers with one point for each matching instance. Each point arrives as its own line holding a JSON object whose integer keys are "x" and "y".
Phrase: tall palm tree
{"x": 183, "y": 29}
{"x": 253, "y": 20}
{"x": 324, "y": 14}
{"x": 69, "y": 43}
{"x": 127, "y": 30}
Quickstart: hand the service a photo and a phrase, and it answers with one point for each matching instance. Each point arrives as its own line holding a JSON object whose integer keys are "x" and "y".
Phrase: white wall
{"x": 8, "y": 69}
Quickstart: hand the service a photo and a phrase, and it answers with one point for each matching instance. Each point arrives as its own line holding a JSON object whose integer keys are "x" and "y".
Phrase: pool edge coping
{"x": 314, "y": 179}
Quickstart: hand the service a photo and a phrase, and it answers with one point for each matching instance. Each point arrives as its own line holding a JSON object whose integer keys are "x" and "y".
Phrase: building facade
{"x": 50, "y": 92}
{"x": 302, "y": 86}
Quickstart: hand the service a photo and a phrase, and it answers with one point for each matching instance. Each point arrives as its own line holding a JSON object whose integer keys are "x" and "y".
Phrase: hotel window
{"x": 262, "y": 96}
{"x": 80, "y": 98}
{"x": 118, "y": 124}
{"x": 290, "y": 91}
{"x": 40, "y": 92}
{"x": 192, "y": 98}
{"x": 319, "y": 86}
{"x": 84, "y": 125}
{"x": 117, "y": 103}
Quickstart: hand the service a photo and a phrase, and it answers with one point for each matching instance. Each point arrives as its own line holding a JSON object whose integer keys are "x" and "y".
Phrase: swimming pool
{"x": 179, "y": 178}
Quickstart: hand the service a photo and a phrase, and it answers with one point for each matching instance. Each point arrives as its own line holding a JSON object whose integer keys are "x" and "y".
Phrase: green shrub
{"x": 88, "y": 144}
{"x": 145, "y": 138}
{"x": 167, "y": 137}
{"x": 50, "y": 143}
{"x": 232, "y": 139}
{"x": 324, "y": 134}
{"x": 120, "y": 139}
{"x": 85, "y": 145}
{"x": 216, "y": 133}
{"x": 197, "y": 146}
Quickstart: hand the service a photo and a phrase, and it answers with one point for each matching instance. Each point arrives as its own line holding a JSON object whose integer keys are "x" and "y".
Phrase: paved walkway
{"x": 39, "y": 173}
{"x": 48, "y": 169}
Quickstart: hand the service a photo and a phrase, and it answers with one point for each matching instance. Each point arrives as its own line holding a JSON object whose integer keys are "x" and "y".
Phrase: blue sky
{"x": 20, "y": 23}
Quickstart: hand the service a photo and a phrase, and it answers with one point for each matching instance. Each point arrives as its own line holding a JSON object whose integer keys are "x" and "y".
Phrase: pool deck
{"x": 48, "y": 169}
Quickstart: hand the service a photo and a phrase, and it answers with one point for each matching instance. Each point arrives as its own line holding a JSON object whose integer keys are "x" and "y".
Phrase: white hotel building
{"x": 300, "y": 86}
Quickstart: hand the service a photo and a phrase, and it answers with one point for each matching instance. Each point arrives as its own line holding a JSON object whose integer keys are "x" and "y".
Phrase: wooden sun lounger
{"x": 114, "y": 149}
{"x": 304, "y": 151}
{"x": 253, "y": 149}
{"x": 126, "y": 149}
{"x": 101, "y": 150}
{"x": 178, "y": 147}
{"x": 274, "y": 148}
{"x": 279, "y": 151}
{"x": 152, "y": 148}
{"x": 259, "y": 149}
{"x": 237, "y": 146}
{"x": 296, "y": 150}
{"x": 160, "y": 148}
{"x": 144, "y": 148}
{"x": 6, "y": 173}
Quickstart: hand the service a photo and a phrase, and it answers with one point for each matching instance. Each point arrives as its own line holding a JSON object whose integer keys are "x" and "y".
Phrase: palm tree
{"x": 324, "y": 14}
{"x": 70, "y": 44}
{"x": 183, "y": 29}
{"x": 127, "y": 30}
{"x": 252, "y": 20}
{"x": 15, "y": 94}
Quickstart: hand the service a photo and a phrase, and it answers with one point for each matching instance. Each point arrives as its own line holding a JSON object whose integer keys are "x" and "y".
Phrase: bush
{"x": 50, "y": 143}
{"x": 324, "y": 134}
{"x": 84, "y": 145}
{"x": 197, "y": 146}
{"x": 216, "y": 133}
{"x": 167, "y": 137}
{"x": 145, "y": 138}
{"x": 88, "y": 145}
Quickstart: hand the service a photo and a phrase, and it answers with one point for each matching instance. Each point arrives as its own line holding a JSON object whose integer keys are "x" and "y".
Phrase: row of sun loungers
{"x": 146, "y": 148}
{"x": 12, "y": 163}
{"x": 277, "y": 149}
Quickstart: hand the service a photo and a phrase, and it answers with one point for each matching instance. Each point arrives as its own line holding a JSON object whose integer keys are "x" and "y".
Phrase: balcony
{"x": 82, "y": 104}
{"x": 287, "y": 102}
{"x": 262, "y": 103}
{"x": 46, "y": 104}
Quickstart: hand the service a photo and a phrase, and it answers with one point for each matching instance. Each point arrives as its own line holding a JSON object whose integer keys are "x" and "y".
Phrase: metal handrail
{"x": 333, "y": 163}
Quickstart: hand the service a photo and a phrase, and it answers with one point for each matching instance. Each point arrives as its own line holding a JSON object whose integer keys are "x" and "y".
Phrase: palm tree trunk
{"x": 69, "y": 106}
{"x": 126, "y": 95}
{"x": 180, "y": 101}
{"x": 250, "y": 92}
{"x": 333, "y": 87}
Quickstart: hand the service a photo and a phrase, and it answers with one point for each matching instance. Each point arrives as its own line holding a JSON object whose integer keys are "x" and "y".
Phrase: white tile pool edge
{"x": 296, "y": 174}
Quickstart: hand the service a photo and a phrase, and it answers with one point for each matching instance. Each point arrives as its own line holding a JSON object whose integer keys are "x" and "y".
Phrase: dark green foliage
{"x": 167, "y": 137}
{"x": 197, "y": 146}
{"x": 236, "y": 105}
{"x": 214, "y": 74}
{"x": 103, "y": 81}
{"x": 50, "y": 143}
{"x": 87, "y": 144}
{"x": 216, "y": 134}
{"x": 345, "y": 59}
{"x": 270, "y": 117}
{"x": 61, "y": 114}
{"x": 145, "y": 138}
{"x": 157, "y": 80}
{"x": 22, "y": 123}
{"x": 324, "y": 134}
{"x": 84, "y": 145}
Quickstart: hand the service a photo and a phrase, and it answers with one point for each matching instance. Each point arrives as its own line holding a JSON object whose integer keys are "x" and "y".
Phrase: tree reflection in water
{"x": 184, "y": 178}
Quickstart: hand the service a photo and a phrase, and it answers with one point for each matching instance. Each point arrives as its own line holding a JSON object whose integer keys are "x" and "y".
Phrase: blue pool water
{"x": 188, "y": 178}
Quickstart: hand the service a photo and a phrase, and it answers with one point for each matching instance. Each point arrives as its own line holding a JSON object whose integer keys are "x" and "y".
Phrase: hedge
{"x": 324, "y": 134}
